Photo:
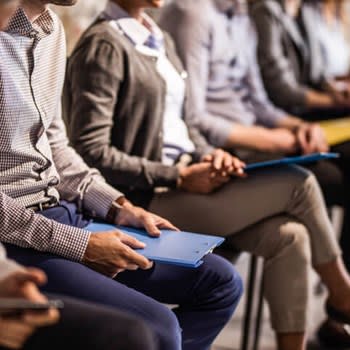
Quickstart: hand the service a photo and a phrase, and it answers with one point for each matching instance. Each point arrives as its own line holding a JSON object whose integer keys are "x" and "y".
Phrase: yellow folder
{"x": 336, "y": 130}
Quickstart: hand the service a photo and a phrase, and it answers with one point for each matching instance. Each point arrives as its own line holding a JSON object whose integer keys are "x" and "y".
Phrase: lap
{"x": 138, "y": 292}
{"x": 236, "y": 206}
{"x": 111, "y": 329}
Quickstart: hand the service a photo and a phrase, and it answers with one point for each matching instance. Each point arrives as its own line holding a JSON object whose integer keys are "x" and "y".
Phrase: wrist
{"x": 181, "y": 176}
{"x": 115, "y": 209}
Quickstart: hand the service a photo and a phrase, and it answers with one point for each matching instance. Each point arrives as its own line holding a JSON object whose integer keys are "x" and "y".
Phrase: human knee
{"x": 299, "y": 241}
{"x": 228, "y": 281}
{"x": 166, "y": 329}
{"x": 292, "y": 240}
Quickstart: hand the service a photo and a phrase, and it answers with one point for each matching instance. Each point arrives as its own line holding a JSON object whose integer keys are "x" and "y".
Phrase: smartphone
{"x": 16, "y": 306}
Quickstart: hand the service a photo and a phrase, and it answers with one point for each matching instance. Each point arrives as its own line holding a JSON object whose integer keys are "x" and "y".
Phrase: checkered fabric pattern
{"x": 36, "y": 162}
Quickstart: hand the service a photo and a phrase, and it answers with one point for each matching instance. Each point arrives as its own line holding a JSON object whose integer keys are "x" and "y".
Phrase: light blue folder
{"x": 291, "y": 160}
{"x": 176, "y": 248}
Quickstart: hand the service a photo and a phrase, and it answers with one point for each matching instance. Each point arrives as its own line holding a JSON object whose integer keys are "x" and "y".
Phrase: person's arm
{"x": 190, "y": 29}
{"x": 24, "y": 228}
{"x": 266, "y": 113}
{"x": 95, "y": 73}
{"x": 277, "y": 72}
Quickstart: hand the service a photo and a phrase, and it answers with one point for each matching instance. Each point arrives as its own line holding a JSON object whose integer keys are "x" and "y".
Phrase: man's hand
{"x": 14, "y": 332}
{"x": 200, "y": 178}
{"x": 130, "y": 215}
{"x": 311, "y": 138}
{"x": 113, "y": 252}
{"x": 224, "y": 163}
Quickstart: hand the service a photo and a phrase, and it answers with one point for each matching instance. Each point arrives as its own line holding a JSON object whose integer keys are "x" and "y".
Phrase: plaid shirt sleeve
{"x": 24, "y": 228}
{"x": 79, "y": 183}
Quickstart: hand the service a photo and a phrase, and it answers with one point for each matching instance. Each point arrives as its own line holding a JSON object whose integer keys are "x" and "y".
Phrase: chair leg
{"x": 259, "y": 316}
{"x": 253, "y": 305}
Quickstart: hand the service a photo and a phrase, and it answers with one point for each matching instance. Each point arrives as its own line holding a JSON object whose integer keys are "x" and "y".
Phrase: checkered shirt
{"x": 36, "y": 162}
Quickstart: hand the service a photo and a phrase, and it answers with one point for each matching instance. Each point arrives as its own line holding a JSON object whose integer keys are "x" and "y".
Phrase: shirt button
{"x": 32, "y": 33}
{"x": 53, "y": 181}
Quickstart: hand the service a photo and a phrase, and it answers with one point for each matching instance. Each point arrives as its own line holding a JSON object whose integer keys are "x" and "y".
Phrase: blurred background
{"x": 78, "y": 17}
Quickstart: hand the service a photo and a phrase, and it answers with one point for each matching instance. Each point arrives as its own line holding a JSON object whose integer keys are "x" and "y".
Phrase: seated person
{"x": 48, "y": 196}
{"x": 126, "y": 114}
{"x": 69, "y": 329}
{"x": 331, "y": 19}
{"x": 229, "y": 102}
{"x": 291, "y": 62}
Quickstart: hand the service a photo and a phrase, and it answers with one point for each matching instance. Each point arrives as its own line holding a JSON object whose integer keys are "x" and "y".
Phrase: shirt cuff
{"x": 8, "y": 267}
{"x": 99, "y": 197}
{"x": 273, "y": 116}
{"x": 220, "y": 132}
{"x": 69, "y": 242}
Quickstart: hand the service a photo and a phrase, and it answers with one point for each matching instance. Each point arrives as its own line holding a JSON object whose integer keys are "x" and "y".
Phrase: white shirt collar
{"x": 135, "y": 31}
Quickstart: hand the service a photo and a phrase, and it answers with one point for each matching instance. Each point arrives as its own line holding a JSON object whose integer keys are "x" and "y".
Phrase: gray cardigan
{"x": 114, "y": 107}
{"x": 288, "y": 52}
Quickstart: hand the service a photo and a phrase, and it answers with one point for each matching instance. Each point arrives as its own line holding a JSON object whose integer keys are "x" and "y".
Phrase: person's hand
{"x": 14, "y": 332}
{"x": 281, "y": 141}
{"x": 311, "y": 138}
{"x": 340, "y": 92}
{"x": 113, "y": 252}
{"x": 224, "y": 163}
{"x": 200, "y": 178}
{"x": 130, "y": 215}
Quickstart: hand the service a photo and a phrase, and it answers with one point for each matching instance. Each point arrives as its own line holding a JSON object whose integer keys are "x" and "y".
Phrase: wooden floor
{"x": 230, "y": 337}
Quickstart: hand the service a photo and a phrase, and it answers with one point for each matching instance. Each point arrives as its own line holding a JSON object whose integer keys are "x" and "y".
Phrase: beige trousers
{"x": 278, "y": 214}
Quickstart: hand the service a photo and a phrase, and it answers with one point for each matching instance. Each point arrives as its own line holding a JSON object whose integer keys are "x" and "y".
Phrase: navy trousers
{"x": 206, "y": 297}
{"x": 87, "y": 326}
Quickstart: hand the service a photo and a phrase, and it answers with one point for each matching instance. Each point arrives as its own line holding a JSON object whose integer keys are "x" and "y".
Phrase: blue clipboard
{"x": 176, "y": 248}
{"x": 291, "y": 160}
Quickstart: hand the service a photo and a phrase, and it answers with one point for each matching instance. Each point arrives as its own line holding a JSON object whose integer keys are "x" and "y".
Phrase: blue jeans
{"x": 206, "y": 297}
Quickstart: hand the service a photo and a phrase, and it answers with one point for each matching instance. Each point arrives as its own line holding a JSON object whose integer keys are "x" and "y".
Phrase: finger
{"x": 41, "y": 319}
{"x": 31, "y": 275}
{"x": 131, "y": 241}
{"x": 132, "y": 267}
{"x": 228, "y": 159}
{"x": 302, "y": 140}
{"x": 150, "y": 226}
{"x": 12, "y": 342}
{"x": 313, "y": 144}
{"x": 165, "y": 224}
{"x": 134, "y": 258}
{"x": 218, "y": 160}
{"x": 207, "y": 158}
{"x": 238, "y": 167}
{"x": 15, "y": 338}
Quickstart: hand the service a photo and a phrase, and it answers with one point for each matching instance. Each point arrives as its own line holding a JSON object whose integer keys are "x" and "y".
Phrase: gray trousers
{"x": 278, "y": 214}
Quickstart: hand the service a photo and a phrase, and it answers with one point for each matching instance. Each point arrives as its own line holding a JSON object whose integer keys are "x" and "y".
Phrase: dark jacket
{"x": 288, "y": 52}
{"x": 114, "y": 107}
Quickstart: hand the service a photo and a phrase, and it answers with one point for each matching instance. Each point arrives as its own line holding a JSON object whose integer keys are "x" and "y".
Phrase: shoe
{"x": 337, "y": 315}
{"x": 334, "y": 335}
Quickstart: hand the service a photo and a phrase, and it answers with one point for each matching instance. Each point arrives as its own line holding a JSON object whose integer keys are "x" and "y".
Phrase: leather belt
{"x": 43, "y": 206}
